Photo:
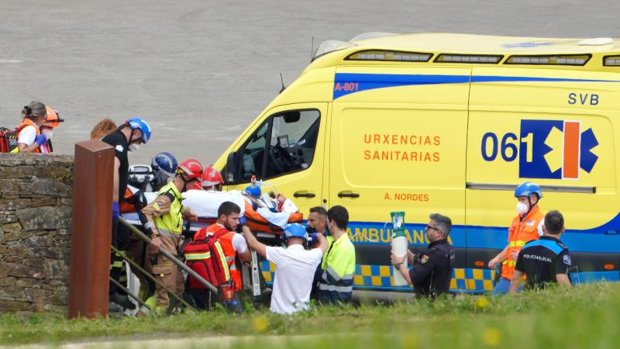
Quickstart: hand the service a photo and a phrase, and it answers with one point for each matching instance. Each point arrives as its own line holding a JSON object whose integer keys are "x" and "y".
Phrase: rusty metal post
{"x": 91, "y": 229}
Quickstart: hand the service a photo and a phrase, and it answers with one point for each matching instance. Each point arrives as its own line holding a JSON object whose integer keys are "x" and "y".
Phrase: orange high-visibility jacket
{"x": 229, "y": 251}
{"x": 28, "y": 122}
{"x": 521, "y": 231}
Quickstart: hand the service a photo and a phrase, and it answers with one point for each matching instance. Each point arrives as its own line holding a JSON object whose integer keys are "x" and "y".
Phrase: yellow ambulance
{"x": 447, "y": 123}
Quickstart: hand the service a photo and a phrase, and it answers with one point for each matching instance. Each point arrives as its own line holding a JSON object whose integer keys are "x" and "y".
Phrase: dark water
{"x": 200, "y": 71}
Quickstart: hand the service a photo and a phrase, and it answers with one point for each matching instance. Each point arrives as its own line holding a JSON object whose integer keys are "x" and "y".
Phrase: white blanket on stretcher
{"x": 276, "y": 218}
{"x": 206, "y": 203}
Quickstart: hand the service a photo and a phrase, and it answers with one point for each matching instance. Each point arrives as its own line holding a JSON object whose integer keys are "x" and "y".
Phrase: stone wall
{"x": 35, "y": 221}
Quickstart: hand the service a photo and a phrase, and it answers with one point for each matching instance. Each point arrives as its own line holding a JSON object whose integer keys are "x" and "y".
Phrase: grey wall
{"x": 35, "y": 222}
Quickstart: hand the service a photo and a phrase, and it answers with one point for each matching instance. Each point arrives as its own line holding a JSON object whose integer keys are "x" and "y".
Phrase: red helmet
{"x": 191, "y": 168}
{"x": 211, "y": 177}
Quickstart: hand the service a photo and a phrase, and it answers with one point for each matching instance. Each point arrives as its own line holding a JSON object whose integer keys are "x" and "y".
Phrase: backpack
{"x": 206, "y": 257}
{"x": 8, "y": 140}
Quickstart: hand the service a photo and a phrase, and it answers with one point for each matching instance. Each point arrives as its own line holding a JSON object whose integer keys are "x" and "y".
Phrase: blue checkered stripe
{"x": 382, "y": 277}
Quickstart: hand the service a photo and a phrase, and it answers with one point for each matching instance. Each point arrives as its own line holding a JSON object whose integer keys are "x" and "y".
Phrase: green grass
{"x": 586, "y": 316}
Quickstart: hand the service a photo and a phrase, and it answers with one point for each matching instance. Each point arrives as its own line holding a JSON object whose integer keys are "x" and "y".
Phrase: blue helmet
{"x": 528, "y": 188}
{"x": 140, "y": 124}
{"x": 295, "y": 230}
{"x": 253, "y": 190}
{"x": 165, "y": 162}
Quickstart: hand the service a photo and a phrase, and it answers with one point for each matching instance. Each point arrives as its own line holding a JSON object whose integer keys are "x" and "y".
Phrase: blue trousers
{"x": 502, "y": 287}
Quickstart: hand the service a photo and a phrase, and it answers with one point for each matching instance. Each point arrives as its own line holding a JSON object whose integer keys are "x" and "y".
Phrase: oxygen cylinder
{"x": 399, "y": 244}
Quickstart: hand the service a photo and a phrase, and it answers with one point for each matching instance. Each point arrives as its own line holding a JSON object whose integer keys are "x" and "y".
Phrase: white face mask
{"x": 134, "y": 147}
{"x": 48, "y": 132}
{"x": 522, "y": 208}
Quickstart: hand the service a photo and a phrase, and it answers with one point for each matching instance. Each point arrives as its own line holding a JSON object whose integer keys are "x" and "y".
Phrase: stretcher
{"x": 259, "y": 221}
{"x": 206, "y": 204}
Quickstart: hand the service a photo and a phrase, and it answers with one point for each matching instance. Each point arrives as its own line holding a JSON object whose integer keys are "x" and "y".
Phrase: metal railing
{"x": 147, "y": 274}
{"x": 126, "y": 290}
{"x": 150, "y": 277}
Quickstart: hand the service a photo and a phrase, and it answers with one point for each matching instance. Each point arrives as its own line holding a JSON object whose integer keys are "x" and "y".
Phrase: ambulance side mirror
{"x": 229, "y": 170}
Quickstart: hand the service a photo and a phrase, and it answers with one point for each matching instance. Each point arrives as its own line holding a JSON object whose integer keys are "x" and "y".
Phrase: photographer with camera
{"x": 317, "y": 225}
{"x": 294, "y": 267}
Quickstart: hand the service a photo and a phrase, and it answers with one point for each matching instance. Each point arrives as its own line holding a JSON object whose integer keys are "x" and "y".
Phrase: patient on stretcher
{"x": 261, "y": 214}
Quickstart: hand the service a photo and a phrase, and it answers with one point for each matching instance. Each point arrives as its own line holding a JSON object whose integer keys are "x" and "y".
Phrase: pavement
{"x": 201, "y": 70}
{"x": 180, "y": 341}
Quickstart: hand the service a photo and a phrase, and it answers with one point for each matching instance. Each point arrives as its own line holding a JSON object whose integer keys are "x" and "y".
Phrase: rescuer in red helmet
{"x": 163, "y": 221}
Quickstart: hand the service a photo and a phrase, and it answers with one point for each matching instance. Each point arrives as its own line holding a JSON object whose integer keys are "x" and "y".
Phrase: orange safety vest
{"x": 521, "y": 231}
{"x": 126, "y": 205}
{"x": 230, "y": 253}
{"x": 28, "y": 122}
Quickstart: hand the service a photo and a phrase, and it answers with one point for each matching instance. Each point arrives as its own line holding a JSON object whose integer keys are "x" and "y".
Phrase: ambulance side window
{"x": 253, "y": 154}
{"x": 284, "y": 143}
{"x": 293, "y": 142}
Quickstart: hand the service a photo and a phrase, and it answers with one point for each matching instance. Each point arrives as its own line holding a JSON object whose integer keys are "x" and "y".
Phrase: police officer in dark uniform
{"x": 545, "y": 260}
{"x": 432, "y": 268}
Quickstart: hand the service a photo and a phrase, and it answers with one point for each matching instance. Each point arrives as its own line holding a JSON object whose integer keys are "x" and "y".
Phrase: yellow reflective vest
{"x": 171, "y": 223}
{"x": 338, "y": 267}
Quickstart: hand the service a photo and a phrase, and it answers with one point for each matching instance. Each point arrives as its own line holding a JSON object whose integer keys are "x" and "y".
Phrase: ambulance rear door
{"x": 554, "y": 128}
{"x": 398, "y": 138}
